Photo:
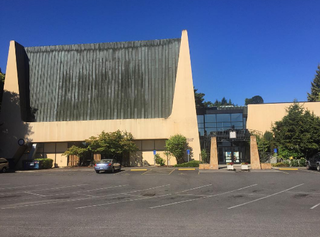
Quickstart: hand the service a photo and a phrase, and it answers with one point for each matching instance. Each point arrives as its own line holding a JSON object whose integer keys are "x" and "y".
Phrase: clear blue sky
{"x": 239, "y": 48}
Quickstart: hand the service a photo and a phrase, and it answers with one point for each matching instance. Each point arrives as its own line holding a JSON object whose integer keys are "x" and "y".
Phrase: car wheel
{"x": 112, "y": 169}
{"x": 119, "y": 168}
{"x": 4, "y": 170}
{"x": 97, "y": 171}
{"x": 318, "y": 167}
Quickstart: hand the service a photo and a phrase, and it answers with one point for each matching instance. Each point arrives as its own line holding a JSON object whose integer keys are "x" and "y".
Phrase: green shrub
{"x": 286, "y": 163}
{"x": 193, "y": 163}
{"x": 294, "y": 163}
{"x": 45, "y": 163}
{"x": 204, "y": 156}
{"x": 303, "y": 162}
{"x": 159, "y": 160}
{"x": 281, "y": 164}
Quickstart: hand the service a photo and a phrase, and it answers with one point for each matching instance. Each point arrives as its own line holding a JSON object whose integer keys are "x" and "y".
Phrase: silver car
{"x": 107, "y": 165}
{"x": 4, "y": 165}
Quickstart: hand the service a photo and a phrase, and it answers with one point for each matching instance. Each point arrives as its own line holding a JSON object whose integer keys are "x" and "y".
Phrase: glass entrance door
{"x": 229, "y": 154}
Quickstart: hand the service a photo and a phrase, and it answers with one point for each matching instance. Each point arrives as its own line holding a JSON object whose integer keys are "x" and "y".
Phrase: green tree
{"x": 201, "y": 103}
{"x": 223, "y": 102}
{"x": 177, "y": 146}
{"x": 257, "y": 99}
{"x": 80, "y": 151}
{"x": 315, "y": 87}
{"x": 266, "y": 144}
{"x": 2, "y": 77}
{"x": 199, "y": 100}
{"x": 298, "y": 133}
{"x": 113, "y": 144}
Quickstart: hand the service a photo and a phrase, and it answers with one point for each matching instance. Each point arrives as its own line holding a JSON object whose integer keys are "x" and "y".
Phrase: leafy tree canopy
{"x": 113, "y": 144}
{"x": 201, "y": 103}
{"x": 110, "y": 145}
{"x": 315, "y": 87}
{"x": 254, "y": 100}
{"x": 177, "y": 146}
{"x": 298, "y": 133}
{"x": 2, "y": 76}
{"x": 223, "y": 102}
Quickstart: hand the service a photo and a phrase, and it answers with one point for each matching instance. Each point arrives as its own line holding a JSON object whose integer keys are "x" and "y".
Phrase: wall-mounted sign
{"x": 233, "y": 134}
{"x": 21, "y": 142}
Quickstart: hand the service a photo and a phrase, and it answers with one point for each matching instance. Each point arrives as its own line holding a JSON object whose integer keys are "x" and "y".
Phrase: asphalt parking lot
{"x": 160, "y": 202}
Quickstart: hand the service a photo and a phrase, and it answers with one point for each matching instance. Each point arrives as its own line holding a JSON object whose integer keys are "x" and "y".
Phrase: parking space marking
{"x": 271, "y": 195}
{"x": 146, "y": 171}
{"x": 38, "y": 190}
{"x": 284, "y": 172}
{"x": 90, "y": 190}
{"x": 158, "y": 172}
{"x": 311, "y": 171}
{"x": 119, "y": 172}
{"x": 123, "y": 201}
{"x": 187, "y": 169}
{"x": 315, "y": 206}
{"x": 25, "y": 186}
{"x": 48, "y": 202}
{"x": 200, "y": 198}
{"x": 36, "y": 194}
{"x": 128, "y": 193}
{"x": 138, "y": 169}
{"x": 171, "y": 171}
{"x": 190, "y": 189}
{"x": 288, "y": 169}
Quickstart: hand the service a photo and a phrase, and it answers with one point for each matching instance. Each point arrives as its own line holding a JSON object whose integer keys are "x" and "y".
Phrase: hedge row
{"x": 193, "y": 163}
{"x": 45, "y": 163}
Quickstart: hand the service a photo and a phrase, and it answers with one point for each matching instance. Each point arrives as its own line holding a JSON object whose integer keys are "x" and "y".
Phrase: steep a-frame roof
{"x": 124, "y": 80}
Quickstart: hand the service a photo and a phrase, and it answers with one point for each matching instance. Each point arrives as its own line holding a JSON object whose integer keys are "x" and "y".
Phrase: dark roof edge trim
{"x": 102, "y": 46}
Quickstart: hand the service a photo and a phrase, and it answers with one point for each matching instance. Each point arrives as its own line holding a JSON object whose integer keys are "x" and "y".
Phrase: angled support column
{"x": 214, "y": 154}
{"x": 254, "y": 154}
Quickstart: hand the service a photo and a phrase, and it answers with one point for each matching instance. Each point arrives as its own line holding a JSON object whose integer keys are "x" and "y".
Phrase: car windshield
{"x": 105, "y": 161}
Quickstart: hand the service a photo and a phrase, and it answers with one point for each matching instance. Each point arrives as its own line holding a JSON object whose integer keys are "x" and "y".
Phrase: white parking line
{"x": 271, "y": 195}
{"x": 36, "y": 194}
{"x": 315, "y": 206}
{"x": 146, "y": 171}
{"x": 47, "y": 202}
{"x": 90, "y": 190}
{"x": 209, "y": 196}
{"x": 25, "y": 186}
{"x": 187, "y": 190}
{"x": 128, "y": 200}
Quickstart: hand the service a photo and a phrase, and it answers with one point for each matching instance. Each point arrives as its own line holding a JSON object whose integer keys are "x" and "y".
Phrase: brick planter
{"x": 266, "y": 166}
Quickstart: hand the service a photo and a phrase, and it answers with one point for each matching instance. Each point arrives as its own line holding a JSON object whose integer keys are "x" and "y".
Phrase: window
{"x": 236, "y": 117}
{"x": 200, "y": 119}
{"x": 223, "y": 117}
{"x": 210, "y": 118}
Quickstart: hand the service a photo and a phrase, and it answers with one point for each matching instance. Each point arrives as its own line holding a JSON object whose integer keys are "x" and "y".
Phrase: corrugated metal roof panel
{"x": 123, "y": 80}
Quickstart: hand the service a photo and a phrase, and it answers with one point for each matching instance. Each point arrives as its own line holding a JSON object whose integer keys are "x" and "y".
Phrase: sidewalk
{"x": 222, "y": 168}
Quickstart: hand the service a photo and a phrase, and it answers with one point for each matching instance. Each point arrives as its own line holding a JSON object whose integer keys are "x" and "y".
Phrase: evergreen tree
{"x": 298, "y": 133}
{"x": 199, "y": 99}
{"x": 315, "y": 87}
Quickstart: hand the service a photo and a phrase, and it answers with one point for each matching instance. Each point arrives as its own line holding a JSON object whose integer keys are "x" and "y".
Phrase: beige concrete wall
{"x": 183, "y": 119}
{"x": 262, "y": 116}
